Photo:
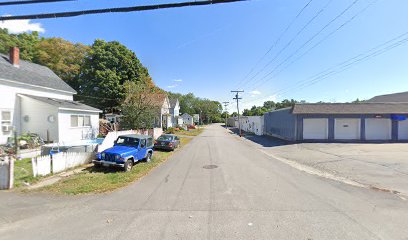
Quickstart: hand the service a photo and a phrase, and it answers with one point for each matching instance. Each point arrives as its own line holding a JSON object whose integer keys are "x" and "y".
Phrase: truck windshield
{"x": 127, "y": 141}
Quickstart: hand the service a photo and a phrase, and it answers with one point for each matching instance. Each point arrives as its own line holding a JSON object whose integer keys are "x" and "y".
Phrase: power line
{"x": 341, "y": 67}
{"x": 117, "y": 10}
{"x": 316, "y": 34}
{"x": 311, "y": 48}
{"x": 276, "y": 42}
{"x": 31, "y": 2}
{"x": 290, "y": 42}
{"x": 260, "y": 83}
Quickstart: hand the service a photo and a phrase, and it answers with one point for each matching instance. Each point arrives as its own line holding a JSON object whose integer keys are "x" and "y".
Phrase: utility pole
{"x": 225, "y": 111}
{"x": 238, "y": 98}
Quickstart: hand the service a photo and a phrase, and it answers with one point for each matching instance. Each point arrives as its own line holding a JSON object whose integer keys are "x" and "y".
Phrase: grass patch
{"x": 100, "y": 180}
{"x": 192, "y": 132}
{"x": 23, "y": 173}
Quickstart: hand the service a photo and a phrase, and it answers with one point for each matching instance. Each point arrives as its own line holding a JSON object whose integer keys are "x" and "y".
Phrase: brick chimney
{"x": 15, "y": 56}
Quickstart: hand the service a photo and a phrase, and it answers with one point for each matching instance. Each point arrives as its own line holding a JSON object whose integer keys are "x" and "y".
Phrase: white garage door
{"x": 315, "y": 128}
{"x": 346, "y": 128}
{"x": 403, "y": 130}
{"x": 378, "y": 129}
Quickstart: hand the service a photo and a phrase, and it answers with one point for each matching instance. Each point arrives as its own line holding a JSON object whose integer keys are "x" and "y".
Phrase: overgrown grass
{"x": 100, "y": 180}
{"x": 23, "y": 173}
{"x": 192, "y": 132}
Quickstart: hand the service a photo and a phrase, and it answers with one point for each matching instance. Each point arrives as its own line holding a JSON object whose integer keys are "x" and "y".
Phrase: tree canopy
{"x": 269, "y": 106}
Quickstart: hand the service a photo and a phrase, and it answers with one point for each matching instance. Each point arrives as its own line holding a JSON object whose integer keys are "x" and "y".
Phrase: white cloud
{"x": 178, "y": 80}
{"x": 172, "y": 86}
{"x": 20, "y": 26}
{"x": 255, "y": 92}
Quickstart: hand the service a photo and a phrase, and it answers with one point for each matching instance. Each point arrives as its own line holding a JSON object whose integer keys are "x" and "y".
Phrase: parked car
{"x": 167, "y": 142}
{"x": 127, "y": 150}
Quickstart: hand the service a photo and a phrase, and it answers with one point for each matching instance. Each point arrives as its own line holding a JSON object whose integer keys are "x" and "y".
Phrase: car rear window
{"x": 165, "y": 138}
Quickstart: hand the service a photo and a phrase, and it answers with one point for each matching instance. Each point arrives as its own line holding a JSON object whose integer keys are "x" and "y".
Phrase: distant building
{"x": 395, "y": 97}
{"x": 196, "y": 118}
{"x": 340, "y": 122}
{"x": 175, "y": 112}
{"x": 187, "y": 119}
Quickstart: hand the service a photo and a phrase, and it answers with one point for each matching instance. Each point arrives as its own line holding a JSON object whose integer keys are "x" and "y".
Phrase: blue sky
{"x": 209, "y": 50}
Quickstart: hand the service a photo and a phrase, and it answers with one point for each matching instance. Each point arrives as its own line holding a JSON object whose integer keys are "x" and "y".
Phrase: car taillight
{"x": 171, "y": 144}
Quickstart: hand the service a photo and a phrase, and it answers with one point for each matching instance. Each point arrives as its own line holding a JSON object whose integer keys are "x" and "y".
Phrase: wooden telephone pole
{"x": 225, "y": 111}
{"x": 238, "y": 98}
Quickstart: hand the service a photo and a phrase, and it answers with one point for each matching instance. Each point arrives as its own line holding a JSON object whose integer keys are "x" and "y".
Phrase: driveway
{"x": 217, "y": 187}
{"x": 379, "y": 166}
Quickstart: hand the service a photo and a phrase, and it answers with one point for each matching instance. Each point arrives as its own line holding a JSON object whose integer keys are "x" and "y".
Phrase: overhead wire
{"x": 116, "y": 10}
{"x": 310, "y": 49}
{"x": 341, "y": 67}
{"x": 23, "y": 2}
{"x": 276, "y": 42}
{"x": 315, "y": 35}
{"x": 289, "y": 43}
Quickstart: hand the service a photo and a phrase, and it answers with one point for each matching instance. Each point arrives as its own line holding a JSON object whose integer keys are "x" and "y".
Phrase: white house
{"x": 163, "y": 118}
{"x": 252, "y": 124}
{"x": 36, "y": 100}
{"x": 187, "y": 119}
{"x": 175, "y": 112}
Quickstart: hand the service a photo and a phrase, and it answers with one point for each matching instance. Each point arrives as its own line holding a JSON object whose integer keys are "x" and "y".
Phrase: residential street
{"x": 246, "y": 195}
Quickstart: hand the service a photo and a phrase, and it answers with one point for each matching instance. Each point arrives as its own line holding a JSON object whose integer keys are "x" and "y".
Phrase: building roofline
{"x": 32, "y": 85}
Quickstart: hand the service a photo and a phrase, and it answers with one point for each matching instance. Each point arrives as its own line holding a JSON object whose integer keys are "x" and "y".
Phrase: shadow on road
{"x": 265, "y": 141}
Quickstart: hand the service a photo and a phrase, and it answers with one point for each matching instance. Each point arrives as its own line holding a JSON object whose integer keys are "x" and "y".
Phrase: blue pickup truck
{"x": 126, "y": 151}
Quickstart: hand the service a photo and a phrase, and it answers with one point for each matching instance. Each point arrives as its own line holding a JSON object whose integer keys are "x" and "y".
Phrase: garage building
{"x": 340, "y": 122}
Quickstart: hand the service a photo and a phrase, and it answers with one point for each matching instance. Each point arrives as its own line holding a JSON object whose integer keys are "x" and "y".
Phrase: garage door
{"x": 378, "y": 129}
{"x": 347, "y": 128}
{"x": 403, "y": 130}
{"x": 315, "y": 128}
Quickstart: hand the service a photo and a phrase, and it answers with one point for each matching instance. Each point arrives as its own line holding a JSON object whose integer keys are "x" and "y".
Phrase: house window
{"x": 6, "y": 122}
{"x": 74, "y": 121}
{"x": 80, "y": 121}
{"x": 6, "y": 116}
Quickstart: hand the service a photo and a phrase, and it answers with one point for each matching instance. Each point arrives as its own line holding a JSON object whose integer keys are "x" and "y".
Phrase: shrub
{"x": 171, "y": 130}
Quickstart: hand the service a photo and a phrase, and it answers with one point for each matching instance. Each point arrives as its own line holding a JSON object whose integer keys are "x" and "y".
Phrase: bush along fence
{"x": 59, "y": 162}
{"x": 6, "y": 173}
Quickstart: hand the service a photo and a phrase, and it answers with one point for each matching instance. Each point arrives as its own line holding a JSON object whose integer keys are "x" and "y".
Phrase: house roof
{"x": 173, "y": 102}
{"x": 395, "y": 97}
{"x": 186, "y": 114}
{"x": 64, "y": 104}
{"x": 351, "y": 108}
{"x": 32, "y": 74}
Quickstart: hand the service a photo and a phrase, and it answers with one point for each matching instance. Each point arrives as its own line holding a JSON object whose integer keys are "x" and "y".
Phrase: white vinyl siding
{"x": 378, "y": 129}
{"x": 347, "y": 129}
{"x": 315, "y": 128}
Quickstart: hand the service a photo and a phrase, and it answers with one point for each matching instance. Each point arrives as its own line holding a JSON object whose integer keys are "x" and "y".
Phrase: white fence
{"x": 6, "y": 173}
{"x": 59, "y": 162}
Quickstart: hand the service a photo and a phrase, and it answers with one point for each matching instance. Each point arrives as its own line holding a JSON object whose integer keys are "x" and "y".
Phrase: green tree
{"x": 105, "y": 70}
{"x": 63, "y": 57}
{"x": 140, "y": 108}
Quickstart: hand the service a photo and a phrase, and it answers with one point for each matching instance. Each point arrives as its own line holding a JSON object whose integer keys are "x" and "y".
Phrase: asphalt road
{"x": 248, "y": 195}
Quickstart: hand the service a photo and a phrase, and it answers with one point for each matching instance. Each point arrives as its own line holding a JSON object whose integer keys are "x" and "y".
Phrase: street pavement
{"x": 217, "y": 187}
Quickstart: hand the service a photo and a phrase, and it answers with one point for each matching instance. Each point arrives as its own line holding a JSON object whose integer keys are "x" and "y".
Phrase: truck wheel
{"x": 149, "y": 157}
{"x": 128, "y": 165}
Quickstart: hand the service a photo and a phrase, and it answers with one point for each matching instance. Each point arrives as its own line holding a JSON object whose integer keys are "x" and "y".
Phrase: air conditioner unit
{"x": 7, "y": 128}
